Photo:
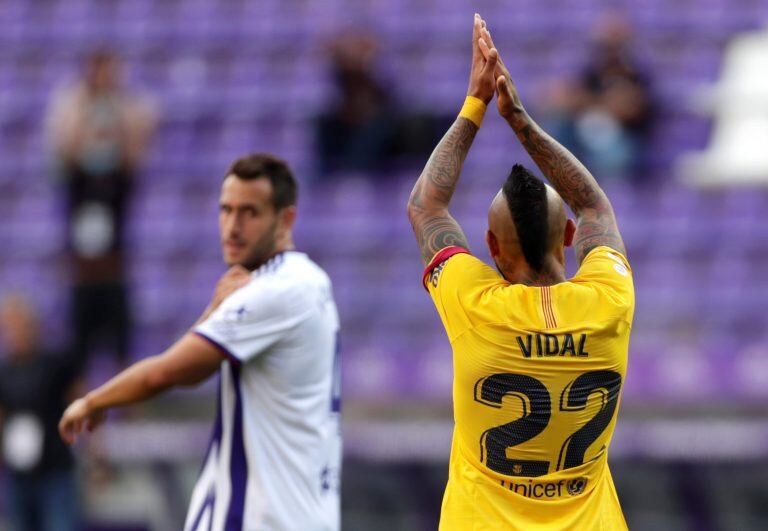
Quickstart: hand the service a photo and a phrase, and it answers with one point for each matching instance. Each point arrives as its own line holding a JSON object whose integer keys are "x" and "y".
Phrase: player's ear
{"x": 493, "y": 243}
{"x": 570, "y": 232}
{"x": 287, "y": 217}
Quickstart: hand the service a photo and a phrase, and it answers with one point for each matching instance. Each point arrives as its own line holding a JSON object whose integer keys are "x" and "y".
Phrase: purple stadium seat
{"x": 227, "y": 85}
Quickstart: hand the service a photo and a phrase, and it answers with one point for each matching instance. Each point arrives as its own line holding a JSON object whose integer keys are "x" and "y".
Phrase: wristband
{"x": 473, "y": 110}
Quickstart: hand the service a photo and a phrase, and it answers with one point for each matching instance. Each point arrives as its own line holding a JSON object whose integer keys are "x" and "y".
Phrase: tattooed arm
{"x": 596, "y": 222}
{"x": 434, "y": 226}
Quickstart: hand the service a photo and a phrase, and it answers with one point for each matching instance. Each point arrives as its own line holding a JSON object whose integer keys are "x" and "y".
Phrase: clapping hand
{"x": 508, "y": 99}
{"x": 482, "y": 78}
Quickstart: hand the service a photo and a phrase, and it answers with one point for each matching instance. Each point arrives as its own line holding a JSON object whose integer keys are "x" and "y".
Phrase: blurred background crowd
{"x": 118, "y": 118}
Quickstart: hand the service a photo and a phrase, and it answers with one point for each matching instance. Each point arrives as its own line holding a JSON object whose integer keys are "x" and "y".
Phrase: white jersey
{"x": 275, "y": 453}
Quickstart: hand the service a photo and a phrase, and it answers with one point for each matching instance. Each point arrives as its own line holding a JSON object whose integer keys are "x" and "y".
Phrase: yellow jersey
{"x": 538, "y": 373}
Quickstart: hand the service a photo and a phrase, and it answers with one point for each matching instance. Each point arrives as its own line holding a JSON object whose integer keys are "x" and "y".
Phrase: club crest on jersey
{"x": 517, "y": 469}
{"x": 236, "y": 314}
{"x": 576, "y": 486}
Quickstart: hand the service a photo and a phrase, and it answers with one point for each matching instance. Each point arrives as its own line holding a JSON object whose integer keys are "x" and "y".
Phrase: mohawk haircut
{"x": 526, "y": 197}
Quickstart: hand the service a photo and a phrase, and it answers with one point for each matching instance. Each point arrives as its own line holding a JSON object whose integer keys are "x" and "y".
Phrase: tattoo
{"x": 570, "y": 178}
{"x": 438, "y": 232}
{"x": 596, "y": 221}
{"x": 593, "y": 230}
{"x": 428, "y": 204}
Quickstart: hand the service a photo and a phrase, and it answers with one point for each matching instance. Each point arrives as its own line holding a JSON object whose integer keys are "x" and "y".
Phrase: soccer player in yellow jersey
{"x": 539, "y": 359}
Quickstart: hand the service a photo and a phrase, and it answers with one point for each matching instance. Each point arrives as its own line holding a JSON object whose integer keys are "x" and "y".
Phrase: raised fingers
{"x": 486, "y": 34}
{"x": 484, "y": 48}
{"x": 476, "y": 28}
{"x": 493, "y": 57}
{"x": 501, "y": 85}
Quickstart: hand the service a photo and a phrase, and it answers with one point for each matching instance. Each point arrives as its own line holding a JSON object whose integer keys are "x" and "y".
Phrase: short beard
{"x": 262, "y": 250}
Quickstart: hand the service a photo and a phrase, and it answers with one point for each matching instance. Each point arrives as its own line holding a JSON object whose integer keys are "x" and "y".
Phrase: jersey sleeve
{"x": 253, "y": 319}
{"x": 609, "y": 271}
{"x": 456, "y": 281}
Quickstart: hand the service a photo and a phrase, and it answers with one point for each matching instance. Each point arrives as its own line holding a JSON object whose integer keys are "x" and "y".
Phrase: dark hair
{"x": 526, "y": 197}
{"x": 262, "y": 165}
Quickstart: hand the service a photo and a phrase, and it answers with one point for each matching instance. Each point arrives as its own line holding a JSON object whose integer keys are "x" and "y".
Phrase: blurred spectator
{"x": 355, "y": 133}
{"x": 605, "y": 115}
{"x": 35, "y": 387}
{"x": 365, "y": 129}
{"x": 99, "y": 131}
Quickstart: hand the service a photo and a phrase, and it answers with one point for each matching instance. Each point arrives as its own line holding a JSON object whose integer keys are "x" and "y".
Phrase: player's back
{"x": 538, "y": 376}
{"x": 274, "y": 461}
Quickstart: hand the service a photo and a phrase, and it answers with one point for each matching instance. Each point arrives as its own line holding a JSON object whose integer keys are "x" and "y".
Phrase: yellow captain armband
{"x": 473, "y": 110}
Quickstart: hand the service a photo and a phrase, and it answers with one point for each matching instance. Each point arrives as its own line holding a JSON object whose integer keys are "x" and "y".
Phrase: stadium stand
{"x": 225, "y": 89}
{"x": 234, "y": 76}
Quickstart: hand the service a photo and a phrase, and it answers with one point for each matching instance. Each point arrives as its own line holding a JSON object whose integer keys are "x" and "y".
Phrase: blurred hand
{"x": 482, "y": 83}
{"x": 79, "y": 415}
{"x": 508, "y": 99}
{"x": 235, "y": 278}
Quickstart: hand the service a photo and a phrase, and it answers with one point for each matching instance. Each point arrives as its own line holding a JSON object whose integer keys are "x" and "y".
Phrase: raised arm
{"x": 596, "y": 222}
{"x": 433, "y": 225}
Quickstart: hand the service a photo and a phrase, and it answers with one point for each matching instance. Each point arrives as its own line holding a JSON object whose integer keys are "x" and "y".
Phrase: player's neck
{"x": 552, "y": 273}
{"x": 541, "y": 279}
{"x": 284, "y": 244}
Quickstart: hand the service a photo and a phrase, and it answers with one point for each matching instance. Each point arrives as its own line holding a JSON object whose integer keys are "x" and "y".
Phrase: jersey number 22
{"x": 537, "y": 410}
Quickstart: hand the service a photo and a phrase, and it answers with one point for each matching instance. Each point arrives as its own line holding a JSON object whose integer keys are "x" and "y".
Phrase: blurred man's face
{"x": 248, "y": 223}
{"x": 17, "y": 326}
{"x": 103, "y": 74}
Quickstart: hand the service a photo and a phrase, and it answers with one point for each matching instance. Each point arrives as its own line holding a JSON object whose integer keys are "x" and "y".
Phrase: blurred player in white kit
{"x": 274, "y": 459}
